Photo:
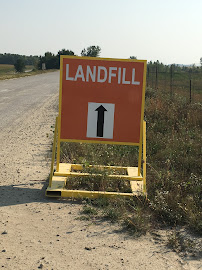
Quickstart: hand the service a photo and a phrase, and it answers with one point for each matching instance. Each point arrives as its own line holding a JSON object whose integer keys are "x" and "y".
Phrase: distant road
{"x": 18, "y": 96}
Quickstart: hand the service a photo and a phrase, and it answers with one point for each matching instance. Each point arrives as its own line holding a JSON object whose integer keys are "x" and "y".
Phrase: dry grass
{"x": 8, "y": 72}
{"x": 6, "y": 69}
{"x": 174, "y": 156}
{"x": 173, "y": 171}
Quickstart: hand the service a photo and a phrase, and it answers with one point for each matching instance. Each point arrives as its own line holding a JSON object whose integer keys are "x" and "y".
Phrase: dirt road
{"x": 18, "y": 96}
{"x": 41, "y": 233}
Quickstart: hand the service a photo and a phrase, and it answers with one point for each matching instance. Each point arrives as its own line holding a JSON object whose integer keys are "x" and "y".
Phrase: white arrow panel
{"x": 108, "y": 127}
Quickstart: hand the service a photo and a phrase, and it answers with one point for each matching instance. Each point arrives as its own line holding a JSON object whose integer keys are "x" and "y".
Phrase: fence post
{"x": 190, "y": 91}
{"x": 171, "y": 81}
{"x": 156, "y": 84}
{"x": 152, "y": 77}
{"x": 147, "y": 76}
{"x": 165, "y": 85}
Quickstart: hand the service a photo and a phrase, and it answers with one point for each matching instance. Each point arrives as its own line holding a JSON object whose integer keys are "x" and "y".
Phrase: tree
{"x": 19, "y": 65}
{"x": 50, "y": 60}
{"x": 92, "y": 51}
{"x": 201, "y": 61}
{"x": 11, "y": 59}
{"x": 133, "y": 57}
{"x": 63, "y": 52}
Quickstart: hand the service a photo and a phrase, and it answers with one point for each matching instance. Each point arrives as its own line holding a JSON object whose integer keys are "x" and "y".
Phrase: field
{"x": 8, "y": 72}
{"x": 187, "y": 83}
{"x": 173, "y": 168}
{"x": 6, "y": 69}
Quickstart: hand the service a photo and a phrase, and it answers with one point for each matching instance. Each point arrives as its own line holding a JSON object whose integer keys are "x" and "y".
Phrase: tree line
{"x": 156, "y": 66}
{"x": 52, "y": 61}
{"x": 11, "y": 59}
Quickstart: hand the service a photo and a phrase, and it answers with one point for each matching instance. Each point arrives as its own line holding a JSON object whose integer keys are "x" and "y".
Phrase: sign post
{"x": 100, "y": 101}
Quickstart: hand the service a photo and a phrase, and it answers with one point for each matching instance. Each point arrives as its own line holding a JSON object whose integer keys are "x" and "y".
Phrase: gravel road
{"x": 18, "y": 96}
{"x": 43, "y": 233}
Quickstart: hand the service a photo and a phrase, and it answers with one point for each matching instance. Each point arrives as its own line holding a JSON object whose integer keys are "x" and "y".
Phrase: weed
{"x": 98, "y": 179}
{"x": 87, "y": 210}
{"x": 84, "y": 217}
{"x": 136, "y": 224}
{"x": 130, "y": 213}
{"x": 111, "y": 213}
{"x": 174, "y": 151}
{"x": 179, "y": 243}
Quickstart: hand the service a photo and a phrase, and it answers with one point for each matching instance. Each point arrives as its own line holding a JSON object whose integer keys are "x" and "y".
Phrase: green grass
{"x": 173, "y": 170}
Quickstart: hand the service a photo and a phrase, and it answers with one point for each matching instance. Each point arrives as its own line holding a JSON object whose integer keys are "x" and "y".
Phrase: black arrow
{"x": 100, "y": 120}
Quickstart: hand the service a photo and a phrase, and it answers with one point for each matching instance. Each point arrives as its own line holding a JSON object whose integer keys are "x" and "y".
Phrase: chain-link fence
{"x": 187, "y": 83}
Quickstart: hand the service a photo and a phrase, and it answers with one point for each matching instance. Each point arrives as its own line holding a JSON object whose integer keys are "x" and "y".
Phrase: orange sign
{"x": 101, "y": 100}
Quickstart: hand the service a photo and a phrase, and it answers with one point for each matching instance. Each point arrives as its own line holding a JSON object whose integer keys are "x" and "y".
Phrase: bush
{"x": 19, "y": 65}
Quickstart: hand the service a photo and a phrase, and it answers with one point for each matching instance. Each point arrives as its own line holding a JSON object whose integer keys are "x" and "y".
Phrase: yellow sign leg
{"x": 144, "y": 157}
{"x": 58, "y": 145}
{"x": 53, "y": 152}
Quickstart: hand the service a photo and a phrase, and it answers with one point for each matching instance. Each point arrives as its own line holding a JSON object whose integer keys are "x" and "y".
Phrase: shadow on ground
{"x": 28, "y": 193}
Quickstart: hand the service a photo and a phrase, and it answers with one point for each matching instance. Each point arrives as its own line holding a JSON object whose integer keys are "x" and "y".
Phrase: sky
{"x": 166, "y": 30}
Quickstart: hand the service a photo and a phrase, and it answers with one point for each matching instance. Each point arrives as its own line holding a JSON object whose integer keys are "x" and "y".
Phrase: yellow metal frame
{"x": 58, "y": 179}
